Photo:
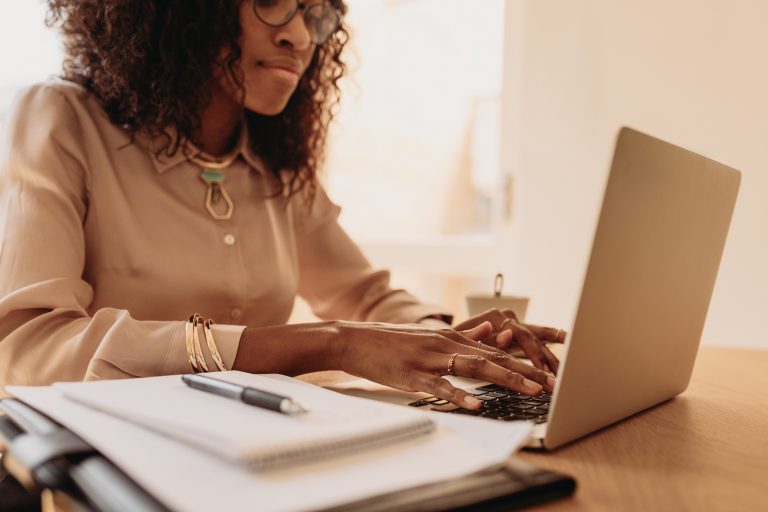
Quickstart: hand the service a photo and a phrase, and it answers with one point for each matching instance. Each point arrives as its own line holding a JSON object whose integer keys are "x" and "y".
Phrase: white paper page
{"x": 191, "y": 480}
{"x": 241, "y": 432}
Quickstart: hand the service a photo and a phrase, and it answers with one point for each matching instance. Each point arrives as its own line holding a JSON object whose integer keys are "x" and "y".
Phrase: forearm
{"x": 62, "y": 345}
{"x": 290, "y": 349}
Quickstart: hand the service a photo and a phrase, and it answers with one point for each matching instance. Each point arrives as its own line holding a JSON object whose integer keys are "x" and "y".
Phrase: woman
{"x": 173, "y": 171}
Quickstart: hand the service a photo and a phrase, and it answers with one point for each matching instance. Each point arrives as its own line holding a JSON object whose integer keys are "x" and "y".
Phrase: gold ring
{"x": 450, "y": 363}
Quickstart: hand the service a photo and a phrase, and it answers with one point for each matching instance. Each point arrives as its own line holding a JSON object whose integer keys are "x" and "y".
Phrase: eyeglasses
{"x": 321, "y": 19}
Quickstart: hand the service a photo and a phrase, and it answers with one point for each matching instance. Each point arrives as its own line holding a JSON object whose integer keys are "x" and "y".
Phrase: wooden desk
{"x": 705, "y": 450}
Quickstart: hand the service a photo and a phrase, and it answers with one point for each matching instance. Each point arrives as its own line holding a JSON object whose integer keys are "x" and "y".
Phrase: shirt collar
{"x": 164, "y": 162}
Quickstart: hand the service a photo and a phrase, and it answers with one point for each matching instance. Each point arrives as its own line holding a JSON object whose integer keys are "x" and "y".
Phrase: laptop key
{"x": 491, "y": 387}
{"x": 511, "y": 417}
{"x": 520, "y": 407}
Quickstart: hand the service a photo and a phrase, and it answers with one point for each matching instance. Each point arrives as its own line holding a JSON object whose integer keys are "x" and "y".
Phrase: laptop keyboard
{"x": 499, "y": 403}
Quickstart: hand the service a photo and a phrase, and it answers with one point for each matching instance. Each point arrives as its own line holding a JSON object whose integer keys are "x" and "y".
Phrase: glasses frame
{"x": 306, "y": 8}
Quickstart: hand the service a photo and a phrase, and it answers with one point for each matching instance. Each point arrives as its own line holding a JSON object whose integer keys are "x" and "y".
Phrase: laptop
{"x": 656, "y": 251}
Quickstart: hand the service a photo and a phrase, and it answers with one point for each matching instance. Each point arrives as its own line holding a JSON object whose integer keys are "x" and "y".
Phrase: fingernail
{"x": 551, "y": 382}
{"x": 532, "y": 386}
{"x": 471, "y": 401}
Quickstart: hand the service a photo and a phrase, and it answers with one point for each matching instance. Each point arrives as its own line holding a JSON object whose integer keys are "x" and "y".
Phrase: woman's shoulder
{"x": 59, "y": 86}
{"x": 60, "y": 112}
{"x": 56, "y": 95}
{"x": 50, "y": 123}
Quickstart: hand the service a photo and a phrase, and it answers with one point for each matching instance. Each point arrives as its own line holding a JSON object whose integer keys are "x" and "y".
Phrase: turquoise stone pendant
{"x": 215, "y": 193}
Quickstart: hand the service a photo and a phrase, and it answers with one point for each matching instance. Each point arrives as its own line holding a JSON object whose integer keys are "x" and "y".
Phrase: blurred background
{"x": 476, "y": 137}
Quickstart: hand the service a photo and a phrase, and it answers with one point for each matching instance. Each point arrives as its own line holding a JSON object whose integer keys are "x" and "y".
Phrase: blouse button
{"x": 235, "y": 313}
{"x": 230, "y": 239}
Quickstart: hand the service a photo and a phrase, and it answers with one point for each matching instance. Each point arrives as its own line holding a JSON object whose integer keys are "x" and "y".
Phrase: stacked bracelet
{"x": 212, "y": 348}
{"x": 194, "y": 349}
{"x": 196, "y": 320}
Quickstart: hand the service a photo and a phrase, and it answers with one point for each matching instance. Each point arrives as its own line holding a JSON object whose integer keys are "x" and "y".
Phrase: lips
{"x": 282, "y": 64}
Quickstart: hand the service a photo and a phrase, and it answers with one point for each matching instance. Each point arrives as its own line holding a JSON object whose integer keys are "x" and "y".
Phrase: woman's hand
{"x": 415, "y": 358}
{"x": 410, "y": 357}
{"x": 517, "y": 338}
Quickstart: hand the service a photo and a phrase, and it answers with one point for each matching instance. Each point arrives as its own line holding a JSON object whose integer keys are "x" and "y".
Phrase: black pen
{"x": 245, "y": 394}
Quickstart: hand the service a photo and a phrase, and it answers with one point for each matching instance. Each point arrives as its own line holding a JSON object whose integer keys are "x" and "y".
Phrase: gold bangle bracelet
{"x": 196, "y": 320}
{"x": 188, "y": 326}
{"x": 212, "y": 348}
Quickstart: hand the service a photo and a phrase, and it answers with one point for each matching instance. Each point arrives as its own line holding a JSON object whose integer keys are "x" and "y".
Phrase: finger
{"x": 501, "y": 339}
{"x": 532, "y": 348}
{"x": 492, "y": 315}
{"x": 504, "y": 323}
{"x": 506, "y": 335}
{"x": 509, "y": 314}
{"x": 439, "y": 365}
{"x": 479, "y": 367}
{"x": 552, "y": 361}
{"x": 479, "y": 332}
{"x": 441, "y": 388}
{"x": 496, "y": 317}
{"x": 547, "y": 334}
{"x": 465, "y": 339}
{"x": 546, "y": 379}
{"x": 510, "y": 347}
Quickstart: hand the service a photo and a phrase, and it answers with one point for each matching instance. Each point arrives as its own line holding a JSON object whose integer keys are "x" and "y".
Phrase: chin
{"x": 267, "y": 108}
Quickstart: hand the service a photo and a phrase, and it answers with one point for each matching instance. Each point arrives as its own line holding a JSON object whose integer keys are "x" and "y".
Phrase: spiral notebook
{"x": 248, "y": 435}
{"x": 197, "y": 480}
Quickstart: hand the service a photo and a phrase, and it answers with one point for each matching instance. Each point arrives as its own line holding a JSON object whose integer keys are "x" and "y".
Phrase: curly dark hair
{"x": 151, "y": 64}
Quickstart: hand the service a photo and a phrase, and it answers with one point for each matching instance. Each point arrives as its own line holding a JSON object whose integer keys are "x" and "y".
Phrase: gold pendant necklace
{"x": 213, "y": 177}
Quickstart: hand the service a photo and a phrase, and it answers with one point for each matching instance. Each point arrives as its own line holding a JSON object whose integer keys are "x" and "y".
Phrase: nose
{"x": 295, "y": 33}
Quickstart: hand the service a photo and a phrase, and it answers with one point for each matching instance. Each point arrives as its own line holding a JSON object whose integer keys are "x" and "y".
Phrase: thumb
{"x": 479, "y": 332}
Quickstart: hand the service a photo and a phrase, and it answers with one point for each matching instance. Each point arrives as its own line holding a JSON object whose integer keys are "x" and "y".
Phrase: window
{"x": 414, "y": 153}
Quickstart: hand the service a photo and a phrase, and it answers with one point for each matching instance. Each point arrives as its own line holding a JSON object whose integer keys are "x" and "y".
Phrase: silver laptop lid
{"x": 656, "y": 251}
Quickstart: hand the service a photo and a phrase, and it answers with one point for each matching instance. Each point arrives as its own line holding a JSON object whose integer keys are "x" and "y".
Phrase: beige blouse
{"x": 106, "y": 249}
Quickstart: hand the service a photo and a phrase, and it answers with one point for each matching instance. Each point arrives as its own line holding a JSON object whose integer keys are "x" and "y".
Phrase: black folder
{"x": 40, "y": 453}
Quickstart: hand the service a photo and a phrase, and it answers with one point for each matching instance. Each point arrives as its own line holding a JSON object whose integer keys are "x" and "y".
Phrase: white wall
{"x": 694, "y": 72}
